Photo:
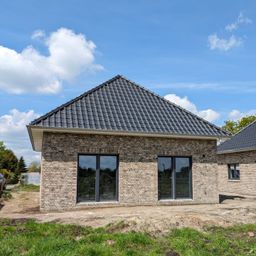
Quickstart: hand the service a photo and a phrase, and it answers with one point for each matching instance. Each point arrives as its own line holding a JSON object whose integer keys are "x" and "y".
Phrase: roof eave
{"x": 230, "y": 151}
{"x": 31, "y": 136}
{"x": 36, "y": 134}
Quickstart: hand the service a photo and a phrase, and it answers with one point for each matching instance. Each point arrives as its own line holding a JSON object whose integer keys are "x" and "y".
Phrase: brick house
{"x": 120, "y": 144}
{"x": 237, "y": 163}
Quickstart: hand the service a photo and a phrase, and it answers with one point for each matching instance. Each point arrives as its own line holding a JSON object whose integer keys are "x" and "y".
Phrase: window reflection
{"x": 174, "y": 177}
{"x": 97, "y": 178}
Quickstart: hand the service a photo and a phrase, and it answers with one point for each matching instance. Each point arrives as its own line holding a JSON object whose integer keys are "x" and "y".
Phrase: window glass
{"x": 86, "y": 178}
{"x": 174, "y": 177}
{"x": 182, "y": 167}
{"x": 165, "y": 182}
{"x": 108, "y": 170}
{"x": 97, "y": 178}
{"x": 233, "y": 172}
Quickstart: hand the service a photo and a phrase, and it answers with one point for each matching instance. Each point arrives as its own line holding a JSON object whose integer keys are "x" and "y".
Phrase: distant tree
{"x": 9, "y": 163}
{"x": 21, "y": 166}
{"x": 230, "y": 126}
{"x": 236, "y": 126}
{"x": 2, "y": 146}
{"x": 245, "y": 121}
{"x": 34, "y": 167}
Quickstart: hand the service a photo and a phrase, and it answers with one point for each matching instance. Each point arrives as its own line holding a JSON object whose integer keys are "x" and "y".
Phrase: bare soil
{"x": 152, "y": 219}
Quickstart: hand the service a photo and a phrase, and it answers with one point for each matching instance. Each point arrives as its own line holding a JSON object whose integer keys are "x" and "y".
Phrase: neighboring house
{"x": 237, "y": 163}
{"x": 120, "y": 144}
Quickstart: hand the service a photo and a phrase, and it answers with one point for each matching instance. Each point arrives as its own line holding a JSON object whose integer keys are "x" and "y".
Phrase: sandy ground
{"x": 153, "y": 219}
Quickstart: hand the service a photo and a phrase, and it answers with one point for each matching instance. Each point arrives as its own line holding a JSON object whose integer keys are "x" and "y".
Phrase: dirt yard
{"x": 155, "y": 219}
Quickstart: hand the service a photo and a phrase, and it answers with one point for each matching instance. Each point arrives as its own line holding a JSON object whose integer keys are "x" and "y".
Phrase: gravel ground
{"x": 152, "y": 219}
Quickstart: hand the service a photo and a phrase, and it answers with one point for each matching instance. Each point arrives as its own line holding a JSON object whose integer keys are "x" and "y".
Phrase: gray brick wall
{"x": 137, "y": 167}
{"x": 247, "y": 183}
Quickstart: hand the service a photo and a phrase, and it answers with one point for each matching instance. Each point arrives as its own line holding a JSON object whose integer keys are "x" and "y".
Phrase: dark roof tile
{"x": 242, "y": 141}
{"x": 121, "y": 105}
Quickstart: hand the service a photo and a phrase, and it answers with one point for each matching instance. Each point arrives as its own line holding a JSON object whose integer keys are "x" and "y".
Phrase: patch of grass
{"x": 236, "y": 240}
{"x": 31, "y": 238}
{"x": 6, "y": 195}
{"x": 27, "y": 188}
{"x": 22, "y": 237}
{"x": 117, "y": 226}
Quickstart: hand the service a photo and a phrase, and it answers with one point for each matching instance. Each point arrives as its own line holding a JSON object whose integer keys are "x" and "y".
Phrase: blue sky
{"x": 202, "y": 54}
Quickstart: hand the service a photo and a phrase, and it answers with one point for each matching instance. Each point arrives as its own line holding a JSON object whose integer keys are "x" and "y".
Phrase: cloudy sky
{"x": 198, "y": 54}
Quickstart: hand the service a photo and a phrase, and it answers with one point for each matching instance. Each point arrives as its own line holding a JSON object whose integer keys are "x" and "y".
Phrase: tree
{"x": 9, "y": 163}
{"x": 236, "y": 126}
{"x": 2, "y": 146}
{"x": 230, "y": 126}
{"x": 8, "y": 160}
{"x": 34, "y": 167}
{"x": 21, "y": 166}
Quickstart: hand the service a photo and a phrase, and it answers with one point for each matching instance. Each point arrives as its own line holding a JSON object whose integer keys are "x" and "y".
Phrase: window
{"x": 97, "y": 178}
{"x": 165, "y": 176}
{"x": 174, "y": 177}
{"x": 233, "y": 172}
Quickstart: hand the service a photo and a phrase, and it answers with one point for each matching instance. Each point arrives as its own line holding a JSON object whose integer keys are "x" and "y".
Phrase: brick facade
{"x": 247, "y": 164}
{"x": 137, "y": 168}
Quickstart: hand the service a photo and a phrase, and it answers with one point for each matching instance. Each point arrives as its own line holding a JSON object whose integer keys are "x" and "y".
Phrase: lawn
{"x": 22, "y": 237}
{"x": 27, "y": 187}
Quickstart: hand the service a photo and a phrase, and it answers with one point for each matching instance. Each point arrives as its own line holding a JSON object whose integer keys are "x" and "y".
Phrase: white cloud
{"x": 30, "y": 71}
{"x": 38, "y": 34}
{"x": 236, "y": 114}
{"x": 217, "y": 43}
{"x": 241, "y": 19}
{"x": 14, "y": 134}
{"x": 208, "y": 114}
{"x": 230, "y": 86}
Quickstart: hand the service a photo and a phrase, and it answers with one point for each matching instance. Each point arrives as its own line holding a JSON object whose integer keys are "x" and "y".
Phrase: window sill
{"x": 234, "y": 180}
{"x": 97, "y": 203}
{"x": 175, "y": 200}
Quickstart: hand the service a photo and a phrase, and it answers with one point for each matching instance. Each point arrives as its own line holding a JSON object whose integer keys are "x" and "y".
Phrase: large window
{"x": 233, "y": 172}
{"x": 174, "y": 177}
{"x": 97, "y": 178}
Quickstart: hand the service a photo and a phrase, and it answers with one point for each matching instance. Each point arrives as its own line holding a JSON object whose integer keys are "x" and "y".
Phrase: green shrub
{"x": 7, "y": 174}
{"x": 6, "y": 195}
{"x": 12, "y": 178}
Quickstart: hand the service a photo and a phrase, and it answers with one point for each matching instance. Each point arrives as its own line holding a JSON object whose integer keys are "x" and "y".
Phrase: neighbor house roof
{"x": 245, "y": 140}
{"x": 121, "y": 106}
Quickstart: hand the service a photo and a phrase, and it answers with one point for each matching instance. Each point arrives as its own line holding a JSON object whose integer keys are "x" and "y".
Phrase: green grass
{"x": 27, "y": 188}
{"x": 6, "y": 195}
{"x": 21, "y": 237}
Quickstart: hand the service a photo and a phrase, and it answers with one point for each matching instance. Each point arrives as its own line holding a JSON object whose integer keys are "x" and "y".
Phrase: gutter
{"x": 229, "y": 151}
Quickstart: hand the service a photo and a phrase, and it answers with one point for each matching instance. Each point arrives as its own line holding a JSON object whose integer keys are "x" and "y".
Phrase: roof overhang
{"x": 239, "y": 150}
{"x": 36, "y": 134}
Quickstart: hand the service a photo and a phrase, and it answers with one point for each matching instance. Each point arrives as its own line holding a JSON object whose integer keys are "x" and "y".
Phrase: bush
{"x": 15, "y": 178}
{"x": 6, "y": 195}
{"x": 7, "y": 174}
{"x": 12, "y": 178}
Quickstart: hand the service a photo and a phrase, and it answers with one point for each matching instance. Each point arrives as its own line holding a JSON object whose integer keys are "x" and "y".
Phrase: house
{"x": 237, "y": 163}
{"x": 121, "y": 144}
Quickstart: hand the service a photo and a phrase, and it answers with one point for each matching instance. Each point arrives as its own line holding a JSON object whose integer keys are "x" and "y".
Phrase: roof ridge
{"x": 171, "y": 103}
{"x": 74, "y": 99}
